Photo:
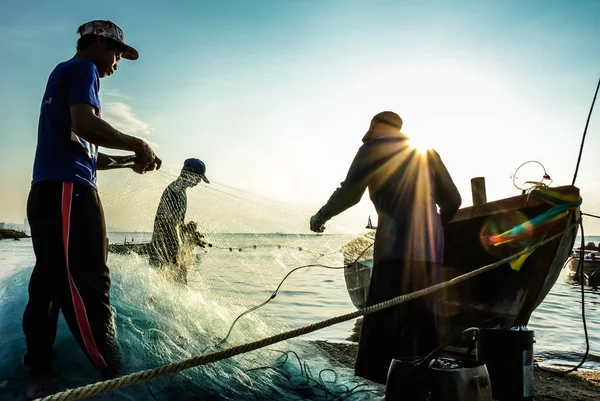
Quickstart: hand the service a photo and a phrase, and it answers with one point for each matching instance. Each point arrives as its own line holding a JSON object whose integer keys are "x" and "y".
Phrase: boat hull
{"x": 358, "y": 277}
{"x": 502, "y": 297}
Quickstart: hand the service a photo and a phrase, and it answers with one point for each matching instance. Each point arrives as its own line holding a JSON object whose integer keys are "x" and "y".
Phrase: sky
{"x": 275, "y": 96}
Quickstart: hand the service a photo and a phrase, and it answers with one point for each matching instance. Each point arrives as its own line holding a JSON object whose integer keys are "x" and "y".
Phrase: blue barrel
{"x": 508, "y": 355}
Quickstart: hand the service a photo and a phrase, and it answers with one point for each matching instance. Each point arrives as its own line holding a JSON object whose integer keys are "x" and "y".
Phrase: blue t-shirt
{"x": 61, "y": 155}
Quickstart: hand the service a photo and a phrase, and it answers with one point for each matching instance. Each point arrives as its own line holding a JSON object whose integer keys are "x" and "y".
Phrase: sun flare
{"x": 419, "y": 144}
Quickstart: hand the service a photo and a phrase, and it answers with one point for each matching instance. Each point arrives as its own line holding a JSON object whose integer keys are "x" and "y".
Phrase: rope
{"x": 274, "y": 294}
{"x": 535, "y": 184}
{"x": 299, "y": 248}
{"x": 591, "y": 215}
{"x": 580, "y": 271}
{"x": 584, "y": 134}
{"x": 581, "y": 281}
{"x": 118, "y": 247}
{"x": 142, "y": 376}
{"x": 330, "y": 387}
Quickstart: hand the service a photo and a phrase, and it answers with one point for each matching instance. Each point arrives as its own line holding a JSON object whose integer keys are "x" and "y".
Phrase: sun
{"x": 421, "y": 145}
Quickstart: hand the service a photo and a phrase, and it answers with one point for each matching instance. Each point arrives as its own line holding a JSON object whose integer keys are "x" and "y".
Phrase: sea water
{"x": 161, "y": 322}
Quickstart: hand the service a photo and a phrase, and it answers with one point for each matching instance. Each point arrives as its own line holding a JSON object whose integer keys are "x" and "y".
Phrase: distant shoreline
{"x": 12, "y": 234}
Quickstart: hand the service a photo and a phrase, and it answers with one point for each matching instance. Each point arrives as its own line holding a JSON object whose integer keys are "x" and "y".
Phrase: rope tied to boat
{"x": 145, "y": 375}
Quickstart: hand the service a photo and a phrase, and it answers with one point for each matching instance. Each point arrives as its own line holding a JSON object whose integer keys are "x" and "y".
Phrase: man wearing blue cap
{"x": 170, "y": 231}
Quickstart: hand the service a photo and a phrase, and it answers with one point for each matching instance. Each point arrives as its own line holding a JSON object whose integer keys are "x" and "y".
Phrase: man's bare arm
{"x": 97, "y": 131}
{"x": 88, "y": 126}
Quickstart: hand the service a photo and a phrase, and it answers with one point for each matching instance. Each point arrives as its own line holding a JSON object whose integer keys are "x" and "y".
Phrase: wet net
{"x": 235, "y": 248}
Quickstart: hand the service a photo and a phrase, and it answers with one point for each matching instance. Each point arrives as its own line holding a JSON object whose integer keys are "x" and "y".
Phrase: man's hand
{"x": 200, "y": 239}
{"x": 145, "y": 159}
{"x": 316, "y": 224}
{"x": 140, "y": 168}
{"x": 192, "y": 226}
{"x": 137, "y": 167}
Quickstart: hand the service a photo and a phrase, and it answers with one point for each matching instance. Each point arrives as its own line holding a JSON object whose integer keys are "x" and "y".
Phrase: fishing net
{"x": 249, "y": 244}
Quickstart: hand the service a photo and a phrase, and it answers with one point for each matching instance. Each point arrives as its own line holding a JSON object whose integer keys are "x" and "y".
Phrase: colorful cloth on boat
{"x": 531, "y": 230}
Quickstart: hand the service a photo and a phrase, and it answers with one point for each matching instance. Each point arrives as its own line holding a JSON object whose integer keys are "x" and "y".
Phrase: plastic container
{"x": 508, "y": 356}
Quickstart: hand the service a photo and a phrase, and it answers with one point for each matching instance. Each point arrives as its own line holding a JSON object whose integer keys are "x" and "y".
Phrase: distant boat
{"x": 591, "y": 266}
{"x": 143, "y": 248}
{"x": 7, "y": 233}
{"x": 502, "y": 297}
{"x": 139, "y": 248}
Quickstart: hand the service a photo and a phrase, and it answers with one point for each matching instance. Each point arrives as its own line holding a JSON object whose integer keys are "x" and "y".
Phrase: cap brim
{"x": 202, "y": 176}
{"x": 129, "y": 52}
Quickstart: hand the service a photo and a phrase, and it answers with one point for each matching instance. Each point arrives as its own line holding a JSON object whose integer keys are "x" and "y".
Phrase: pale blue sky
{"x": 275, "y": 95}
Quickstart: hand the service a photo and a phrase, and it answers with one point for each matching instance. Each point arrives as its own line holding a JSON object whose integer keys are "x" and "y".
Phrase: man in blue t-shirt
{"x": 64, "y": 211}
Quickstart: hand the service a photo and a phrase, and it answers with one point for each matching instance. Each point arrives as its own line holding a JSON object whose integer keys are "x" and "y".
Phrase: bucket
{"x": 508, "y": 355}
{"x": 406, "y": 380}
{"x": 435, "y": 378}
{"x": 459, "y": 380}
{"x": 443, "y": 379}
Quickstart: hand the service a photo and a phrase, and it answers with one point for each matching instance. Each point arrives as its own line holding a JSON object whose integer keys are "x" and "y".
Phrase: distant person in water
{"x": 171, "y": 234}
{"x": 405, "y": 185}
{"x": 64, "y": 211}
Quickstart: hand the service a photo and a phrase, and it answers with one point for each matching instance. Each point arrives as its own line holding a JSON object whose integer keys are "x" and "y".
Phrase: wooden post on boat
{"x": 478, "y": 191}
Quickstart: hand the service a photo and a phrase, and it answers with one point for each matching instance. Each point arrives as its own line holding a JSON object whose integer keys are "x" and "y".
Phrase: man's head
{"x": 193, "y": 171}
{"x": 384, "y": 123}
{"x": 103, "y": 43}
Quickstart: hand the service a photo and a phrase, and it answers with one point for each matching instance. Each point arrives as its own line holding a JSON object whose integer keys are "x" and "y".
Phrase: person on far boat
{"x": 68, "y": 229}
{"x": 171, "y": 234}
{"x": 406, "y": 185}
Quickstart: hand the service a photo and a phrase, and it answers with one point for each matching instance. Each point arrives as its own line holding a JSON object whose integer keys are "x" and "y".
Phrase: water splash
{"x": 160, "y": 322}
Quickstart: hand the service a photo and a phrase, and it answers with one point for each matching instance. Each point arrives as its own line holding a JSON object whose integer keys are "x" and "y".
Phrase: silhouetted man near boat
{"x": 405, "y": 185}
{"x": 64, "y": 210}
{"x": 171, "y": 236}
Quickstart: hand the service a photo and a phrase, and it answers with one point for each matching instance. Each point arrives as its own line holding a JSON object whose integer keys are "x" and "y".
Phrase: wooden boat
{"x": 190, "y": 236}
{"x": 140, "y": 248}
{"x": 502, "y": 297}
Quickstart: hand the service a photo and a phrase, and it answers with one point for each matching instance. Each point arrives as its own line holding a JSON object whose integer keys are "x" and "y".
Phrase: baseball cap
{"x": 196, "y": 166}
{"x": 110, "y": 30}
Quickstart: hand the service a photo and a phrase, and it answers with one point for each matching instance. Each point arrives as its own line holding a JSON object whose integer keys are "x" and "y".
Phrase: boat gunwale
{"x": 509, "y": 204}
